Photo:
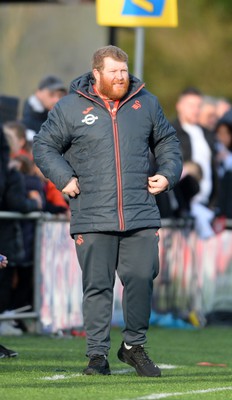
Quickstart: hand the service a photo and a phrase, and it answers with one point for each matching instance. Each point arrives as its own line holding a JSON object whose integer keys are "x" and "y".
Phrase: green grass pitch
{"x": 50, "y": 368}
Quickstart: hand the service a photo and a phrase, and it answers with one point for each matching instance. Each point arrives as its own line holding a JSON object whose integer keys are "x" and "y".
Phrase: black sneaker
{"x": 98, "y": 365}
{"x": 4, "y": 352}
{"x": 138, "y": 358}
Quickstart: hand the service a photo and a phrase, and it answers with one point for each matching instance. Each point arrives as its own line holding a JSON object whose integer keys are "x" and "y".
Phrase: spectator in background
{"x": 224, "y": 137}
{"x": 56, "y": 201}
{"x": 208, "y": 113}
{"x": 23, "y": 289}
{"x": 36, "y": 107}
{"x": 22, "y": 159}
{"x": 4, "y": 160}
{"x": 16, "y": 136}
{"x": 13, "y": 197}
{"x": 224, "y": 163}
{"x": 176, "y": 203}
{"x": 50, "y": 200}
{"x": 223, "y": 105}
{"x": 4, "y": 352}
{"x": 188, "y": 187}
{"x": 198, "y": 145}
{"x": 35, "y": 111}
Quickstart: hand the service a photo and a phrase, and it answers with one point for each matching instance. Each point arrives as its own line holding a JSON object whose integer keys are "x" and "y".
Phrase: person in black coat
{"x": 12, "y": 198}
{"x": 188, "y": 110}
{"x": 224, "y": 163}
{"x": 36, "y": 107}
{"x": 4, "y": 159}
{"x": 198, "y": 145}
{"x": 4, "y": 352}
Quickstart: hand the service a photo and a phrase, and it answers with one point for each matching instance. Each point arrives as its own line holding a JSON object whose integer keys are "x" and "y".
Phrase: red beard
{"x": 113, "y": 90}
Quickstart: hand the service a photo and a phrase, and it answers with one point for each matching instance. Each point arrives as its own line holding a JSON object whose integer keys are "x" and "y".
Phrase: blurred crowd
{"x": 204, "y": 128}
{"x": 204, "y": 193}
{"x": 24, "y": 189}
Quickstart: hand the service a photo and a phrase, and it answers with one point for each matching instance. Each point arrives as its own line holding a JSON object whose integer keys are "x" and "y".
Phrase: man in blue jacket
{"x": 95, "y": 147}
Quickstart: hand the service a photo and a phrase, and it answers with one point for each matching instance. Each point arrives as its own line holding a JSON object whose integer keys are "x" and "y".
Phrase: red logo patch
{"x": 87, "y": 110}
{"x": 136, "y": 105}
{"x": 79, "y": 240}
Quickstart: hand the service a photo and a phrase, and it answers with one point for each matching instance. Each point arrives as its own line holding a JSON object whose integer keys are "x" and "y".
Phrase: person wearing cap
{"x": 36, "y": 107}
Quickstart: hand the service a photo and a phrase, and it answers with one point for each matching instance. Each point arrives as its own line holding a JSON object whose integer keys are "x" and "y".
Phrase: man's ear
{"x": 96, "y": 74}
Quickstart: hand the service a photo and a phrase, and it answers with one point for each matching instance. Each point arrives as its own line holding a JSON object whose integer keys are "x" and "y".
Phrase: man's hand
{"x": 72, "y": 189}
{"x": 157, "y": 184}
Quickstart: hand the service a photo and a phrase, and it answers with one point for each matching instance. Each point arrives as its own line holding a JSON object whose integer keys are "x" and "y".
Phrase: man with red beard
{"x": 95, "y": 147}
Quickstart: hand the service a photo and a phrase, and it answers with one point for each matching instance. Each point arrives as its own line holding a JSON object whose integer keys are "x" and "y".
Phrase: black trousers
{"x": 134, "y": 255}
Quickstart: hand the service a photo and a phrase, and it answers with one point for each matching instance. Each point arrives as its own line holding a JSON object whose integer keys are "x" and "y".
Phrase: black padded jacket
{"x": 109, "y": 153}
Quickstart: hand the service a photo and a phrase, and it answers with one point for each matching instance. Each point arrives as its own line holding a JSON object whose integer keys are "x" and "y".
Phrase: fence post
{"x": 37, "y": 272}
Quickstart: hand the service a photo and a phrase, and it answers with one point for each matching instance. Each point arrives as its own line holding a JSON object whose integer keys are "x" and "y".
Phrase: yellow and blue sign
{"x": 132, "y": 13}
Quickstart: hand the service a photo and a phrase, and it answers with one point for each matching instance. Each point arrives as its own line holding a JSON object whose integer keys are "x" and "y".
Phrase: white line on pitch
{"x": 59, "y": 377}
{"x": 157, "y": 396}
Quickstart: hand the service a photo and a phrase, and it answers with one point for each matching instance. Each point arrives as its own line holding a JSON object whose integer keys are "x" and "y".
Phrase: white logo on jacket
{"x": 89, "y": 119}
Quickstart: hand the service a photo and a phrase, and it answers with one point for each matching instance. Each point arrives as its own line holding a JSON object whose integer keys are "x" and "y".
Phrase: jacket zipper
{"x": 118, "y": 172}
{"x": 118, "y": 162}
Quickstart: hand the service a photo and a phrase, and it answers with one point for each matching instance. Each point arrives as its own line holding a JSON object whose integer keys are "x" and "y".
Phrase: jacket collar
{"x": 84, "y": 85}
